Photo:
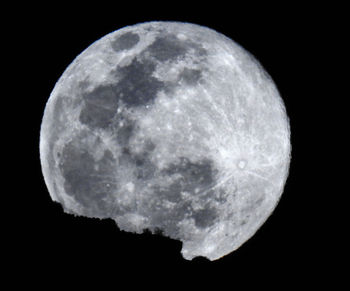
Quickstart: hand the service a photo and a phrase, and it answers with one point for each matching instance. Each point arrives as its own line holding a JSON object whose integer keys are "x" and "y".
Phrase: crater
{"x": 167, "y": 47}
{"x": 124, "y": 131}
{"x": 241, "y": 164}
{"x": 126, "y": 41}
{"x": 171, "y": 193}
{"x": 190, "y": 76}
{"x": 55, "y": 130}
{"x": 143, "y": 167}
{"x": 99, "y": 108}
{"x": 57, "y": 110}
{"x": 205, "y": 217}
{"x": 192, "y": 175}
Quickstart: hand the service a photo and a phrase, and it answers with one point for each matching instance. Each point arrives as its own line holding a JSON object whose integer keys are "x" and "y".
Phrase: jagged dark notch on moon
{"x": 126, "y": 41}
{"x": 166, "y": 219}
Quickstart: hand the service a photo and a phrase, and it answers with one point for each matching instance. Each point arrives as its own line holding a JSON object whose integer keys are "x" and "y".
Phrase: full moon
{"x": 169, "y": 127}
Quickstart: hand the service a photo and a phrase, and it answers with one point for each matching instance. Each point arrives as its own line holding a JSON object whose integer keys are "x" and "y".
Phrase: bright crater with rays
{"x": 168, "y": 126}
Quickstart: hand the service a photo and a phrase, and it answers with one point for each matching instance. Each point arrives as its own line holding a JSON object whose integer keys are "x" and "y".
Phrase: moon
{"x": 169, "y": 127}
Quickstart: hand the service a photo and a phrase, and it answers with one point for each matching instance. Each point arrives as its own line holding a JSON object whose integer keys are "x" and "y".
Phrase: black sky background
{"x": 46, "y": 242}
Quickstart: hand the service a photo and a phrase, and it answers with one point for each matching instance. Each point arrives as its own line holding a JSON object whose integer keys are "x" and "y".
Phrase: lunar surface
{"x": 170, "y": 127}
